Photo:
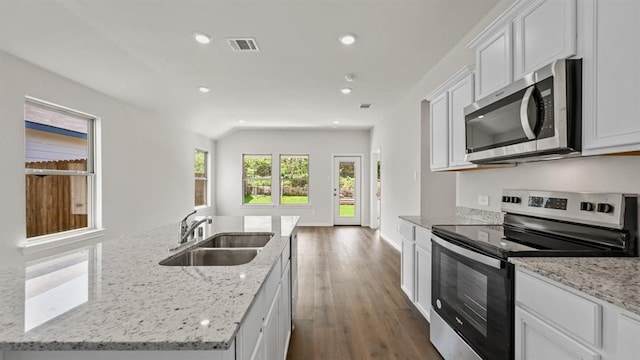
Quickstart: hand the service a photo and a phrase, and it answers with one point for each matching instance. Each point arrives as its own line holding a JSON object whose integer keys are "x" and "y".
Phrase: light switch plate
{"x": 483, "y": 200}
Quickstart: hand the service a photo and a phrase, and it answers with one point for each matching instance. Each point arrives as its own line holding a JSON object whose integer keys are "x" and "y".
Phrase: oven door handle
{"x": 489, "y": 261}
{"x": 524, "y": 113}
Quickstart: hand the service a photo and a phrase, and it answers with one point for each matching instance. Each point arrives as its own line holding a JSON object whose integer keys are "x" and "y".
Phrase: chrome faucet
{"x": 188, "y": 233}
{"x": 184, "y": 226}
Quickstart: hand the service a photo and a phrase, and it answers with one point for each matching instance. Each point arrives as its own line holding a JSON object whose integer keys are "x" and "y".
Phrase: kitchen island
{"x": 114, "y": 296}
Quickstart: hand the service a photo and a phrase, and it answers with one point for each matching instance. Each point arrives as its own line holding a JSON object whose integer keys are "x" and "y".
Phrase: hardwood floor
{"x": 350, "y": 304}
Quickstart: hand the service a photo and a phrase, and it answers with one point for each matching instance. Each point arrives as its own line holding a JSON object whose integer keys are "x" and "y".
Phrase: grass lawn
{"x": 294, "y": 199}
{"x": 347, "y": 210}
{"x": 257, "y": 199}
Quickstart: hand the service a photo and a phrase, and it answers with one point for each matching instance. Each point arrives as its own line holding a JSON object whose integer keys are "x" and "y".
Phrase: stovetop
{"x": 503, "y": 242}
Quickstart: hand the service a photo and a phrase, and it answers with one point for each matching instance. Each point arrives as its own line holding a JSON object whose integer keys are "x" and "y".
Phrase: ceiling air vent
{"x": 244, "y": 44}
{"x": 365, "y": 106}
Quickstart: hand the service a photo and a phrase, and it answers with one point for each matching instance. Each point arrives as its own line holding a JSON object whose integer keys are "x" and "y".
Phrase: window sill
{"x": 202, "y": 207}
{"x": 49, "y": 242}
{"x": 257, "y": 206}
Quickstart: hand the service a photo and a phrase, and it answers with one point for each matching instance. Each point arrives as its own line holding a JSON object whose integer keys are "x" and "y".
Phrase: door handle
{"x": 524, "y": 113}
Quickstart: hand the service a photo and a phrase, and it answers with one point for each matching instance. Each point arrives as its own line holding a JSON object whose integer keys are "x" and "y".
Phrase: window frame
{"x": 94, "y": 183}
{"x": 244, "y": 204}
{"x": 280, "y": 180}
{"x": 207, "y": 170}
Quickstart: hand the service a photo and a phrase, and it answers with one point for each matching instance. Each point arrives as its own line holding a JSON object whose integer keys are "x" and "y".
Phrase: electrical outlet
{"x": 483, "y": 200}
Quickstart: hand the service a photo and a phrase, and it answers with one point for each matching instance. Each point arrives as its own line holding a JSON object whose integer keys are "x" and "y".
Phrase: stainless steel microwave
{"x": 537, "y": 117}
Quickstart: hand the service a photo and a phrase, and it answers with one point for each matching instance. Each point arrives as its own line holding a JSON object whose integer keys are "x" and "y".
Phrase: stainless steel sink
{"x": 241, "y": 240}
{"x": 211, "y": 257}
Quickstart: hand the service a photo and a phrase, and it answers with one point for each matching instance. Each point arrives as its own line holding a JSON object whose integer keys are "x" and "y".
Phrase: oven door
{"x": 473, "y": 294}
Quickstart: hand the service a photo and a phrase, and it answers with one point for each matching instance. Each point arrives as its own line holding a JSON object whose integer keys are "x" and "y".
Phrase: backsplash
{"x": 492, "y": 217}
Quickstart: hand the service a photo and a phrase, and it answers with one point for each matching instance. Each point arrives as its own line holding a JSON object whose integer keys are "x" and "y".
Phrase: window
{"x": 59, "y": 169}
{"x": 256, "y": 179}
{"x": 294, "y": 179}
{"x": 201, "y": 176}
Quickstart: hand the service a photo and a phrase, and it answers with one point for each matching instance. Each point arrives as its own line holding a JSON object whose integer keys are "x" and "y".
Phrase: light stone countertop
{"x": 614, "y": 280}
{"x": 115, "y": 296}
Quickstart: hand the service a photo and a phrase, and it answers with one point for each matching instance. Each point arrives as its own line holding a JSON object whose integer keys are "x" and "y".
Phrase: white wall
{"x": 403, "y": 136}
{"x": 147, "y": 164}
{"x": 321, "y": 145}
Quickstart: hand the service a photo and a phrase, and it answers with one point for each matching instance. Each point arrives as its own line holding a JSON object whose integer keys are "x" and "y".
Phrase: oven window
{"x": 465, "y": 291}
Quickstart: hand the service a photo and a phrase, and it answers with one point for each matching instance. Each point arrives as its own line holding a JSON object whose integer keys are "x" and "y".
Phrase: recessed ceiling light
{"x": 241, "y": 121}
{"x": 204, "y": 89}
{"x": 202, "y": 38}
{"x": 346, "y": 90}
{"x": 350, "y": 77}
{"x": 348, "y": 39}
{"x": 336, "y": 122}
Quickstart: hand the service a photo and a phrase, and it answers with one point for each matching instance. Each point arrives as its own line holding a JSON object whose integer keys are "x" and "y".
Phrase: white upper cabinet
{"x": 447, "y": 125}
{"x": 460, "y": 96}
{"x": 527, "y": 36}
{"x": 611, "y": 81}
{"x": 439, "y": 132}
{"x": 494, "y": 62}
{"x": 543, "y": 32}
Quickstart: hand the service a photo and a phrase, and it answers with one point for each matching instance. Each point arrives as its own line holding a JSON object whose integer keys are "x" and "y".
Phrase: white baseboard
{"x": 390, "y": 242}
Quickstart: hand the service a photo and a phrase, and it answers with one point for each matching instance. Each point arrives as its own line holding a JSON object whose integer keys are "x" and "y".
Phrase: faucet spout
{"x": 189, "y": 232}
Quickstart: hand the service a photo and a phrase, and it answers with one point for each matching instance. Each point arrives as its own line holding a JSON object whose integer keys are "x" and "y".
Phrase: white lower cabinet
{"x": 554, "y": 321}
{"x": 535, "y": 339}
{"x": 285, "y": 312}
{"x": 423, "y": 281}
{"x": 271, "y": 329}
{"x": 416, "y": 266}
{"x": 258, "y": 351}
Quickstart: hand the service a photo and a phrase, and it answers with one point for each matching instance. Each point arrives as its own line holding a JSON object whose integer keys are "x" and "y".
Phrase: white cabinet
{"x": 439, "y": 131}
{"x": 493, "y": 61}
{"x": 423, "y": 281}
{"x": 527, "y": 36}
{"x": 408, "y": 267}
{"x": 537, "y": 340}
{"x": 271, "y": 329}
{"x": 285, "y": 313}
{"x": 416, "y": 266}
{"x": 446, "y": 119}
{"x": 554, "y": 321}
{"x": 611, "y": 83}
{"x": 543, "y": 32}
{"x": 460, "y": 96}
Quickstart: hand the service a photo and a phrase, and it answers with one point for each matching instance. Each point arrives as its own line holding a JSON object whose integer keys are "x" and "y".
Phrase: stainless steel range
{"x": 472, "y": 301}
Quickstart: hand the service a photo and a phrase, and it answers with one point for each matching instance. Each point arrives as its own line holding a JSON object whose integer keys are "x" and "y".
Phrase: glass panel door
{"x": 346, "y": 190}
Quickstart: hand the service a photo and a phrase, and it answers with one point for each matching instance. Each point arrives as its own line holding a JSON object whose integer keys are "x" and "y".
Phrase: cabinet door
{"x": 423, "y": 281}
{"x": 628, "y": 346}
{"x": 494, "y": 63}
{"x": 535, "y": 340}
{"x": 439, "y": 132}
{"x": 272, "y": 330}
{"x": 543, "y": 32}
{"x": 460, "y": 95}
{"x": 258, "y": 351}
{"x": 408, "y": 267}
{"x": 285, "y": 313}
{"x": 611, "y": 83}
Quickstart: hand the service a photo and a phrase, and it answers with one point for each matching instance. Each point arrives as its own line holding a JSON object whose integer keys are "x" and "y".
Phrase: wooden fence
{"x": 56, "y": 203}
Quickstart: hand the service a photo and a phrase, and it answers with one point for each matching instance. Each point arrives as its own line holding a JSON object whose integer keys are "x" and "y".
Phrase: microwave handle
{"x": 524, "y": 113}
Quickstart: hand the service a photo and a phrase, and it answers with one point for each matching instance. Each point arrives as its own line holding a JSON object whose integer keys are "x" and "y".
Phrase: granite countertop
{"x": 614, "y": 280}
{"x": 115, "y": 296}
{"x": 427, "y": 222}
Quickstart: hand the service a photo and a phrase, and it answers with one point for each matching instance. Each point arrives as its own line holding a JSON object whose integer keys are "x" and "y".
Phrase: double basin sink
{"x": 226, "y": 249}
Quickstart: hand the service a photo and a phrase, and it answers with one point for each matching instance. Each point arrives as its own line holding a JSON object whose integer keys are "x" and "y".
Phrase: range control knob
{"x": 586, "y": 206}
{"x": 515, "y": 200}
{"x": 506, "y": 199}
{"x": 604, "y": 208}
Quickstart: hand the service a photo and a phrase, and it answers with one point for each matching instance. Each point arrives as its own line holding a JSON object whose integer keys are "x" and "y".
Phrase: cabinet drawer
{"x": 271, "y": 285}
{"x": 407, "y": 230}
{"x": 423, "y": 238}
{"x": 574, "y": 314}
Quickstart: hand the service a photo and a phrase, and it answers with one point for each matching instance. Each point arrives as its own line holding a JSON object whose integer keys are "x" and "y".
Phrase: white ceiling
{"x": 143, "y": 52}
